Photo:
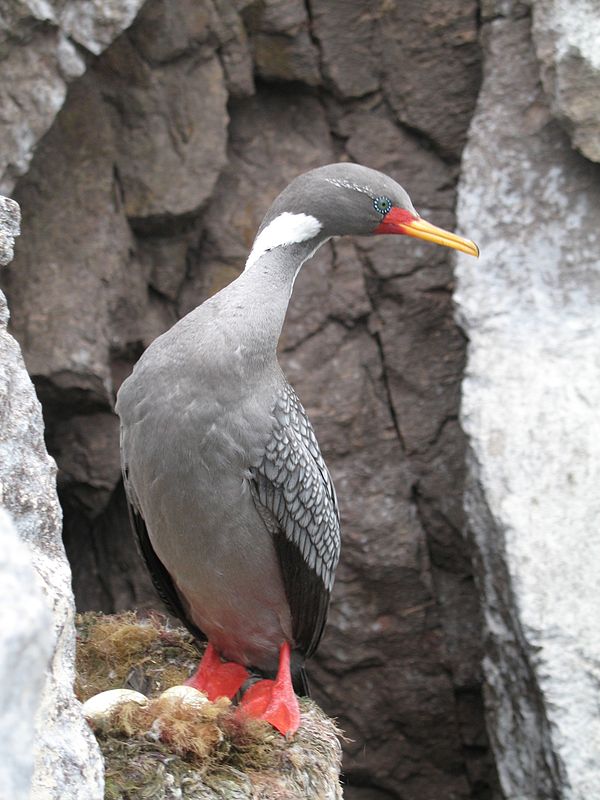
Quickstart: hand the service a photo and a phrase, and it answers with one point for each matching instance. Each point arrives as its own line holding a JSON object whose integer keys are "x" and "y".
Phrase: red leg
{"x": 217, "y": 678}
{"x": 275, "y": 701}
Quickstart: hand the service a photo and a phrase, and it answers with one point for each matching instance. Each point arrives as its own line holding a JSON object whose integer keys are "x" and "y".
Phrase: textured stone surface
{"x": 531, "y": 313}
{"x": 67, "y": 761}
{"x": 566, "y": 34}
{"x": 281, "y": 42}
{"x": 67, "y": 340}
{"x": 370, "y": 342}
{"x": 177, "y": 126}
{"x": 10, "y": 217}
{"x": 424, "y": 56}
{"x": 26, "y": 640}
{"x": 38, "y": 58}
{"x": 94, "y": 24}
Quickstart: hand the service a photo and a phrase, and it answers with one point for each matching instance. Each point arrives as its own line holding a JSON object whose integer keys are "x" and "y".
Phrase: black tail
{"x": 300, "y": 681}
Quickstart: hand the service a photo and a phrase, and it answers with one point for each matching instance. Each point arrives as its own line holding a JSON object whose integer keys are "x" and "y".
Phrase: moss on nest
{"x": 122, "y": 650}
{"x": 171, "y": 749}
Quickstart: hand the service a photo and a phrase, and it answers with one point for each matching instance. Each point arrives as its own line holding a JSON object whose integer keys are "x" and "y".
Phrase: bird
{"x": 233, "y": 507}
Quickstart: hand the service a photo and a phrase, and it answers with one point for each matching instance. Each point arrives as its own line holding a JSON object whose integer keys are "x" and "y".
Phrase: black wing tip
{"x": 300, "y": 682}
{"x": 307, "y": 595}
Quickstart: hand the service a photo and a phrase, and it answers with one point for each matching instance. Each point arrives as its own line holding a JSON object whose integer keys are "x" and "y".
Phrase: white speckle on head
{"x": 285, "y": 229}
{"x": 342, "y": 183}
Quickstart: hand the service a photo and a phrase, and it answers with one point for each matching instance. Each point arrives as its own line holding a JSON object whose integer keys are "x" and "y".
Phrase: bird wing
{"x": 161, "y": 578}
{"x": 294, "y": 495}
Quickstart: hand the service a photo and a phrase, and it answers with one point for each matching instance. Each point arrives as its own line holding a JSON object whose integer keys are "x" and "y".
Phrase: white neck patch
{"x": 285, "y": 229}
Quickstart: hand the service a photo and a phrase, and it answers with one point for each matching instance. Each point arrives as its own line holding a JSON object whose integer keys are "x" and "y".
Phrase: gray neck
{"x": 259, "y": 298}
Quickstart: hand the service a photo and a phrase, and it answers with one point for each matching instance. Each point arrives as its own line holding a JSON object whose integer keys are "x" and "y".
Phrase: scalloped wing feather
{"x": 294, "y": 495}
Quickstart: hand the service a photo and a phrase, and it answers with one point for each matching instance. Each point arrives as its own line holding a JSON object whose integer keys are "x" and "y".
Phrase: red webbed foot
{"x": 217, "y": 678}
{"x": 275, "y": 701}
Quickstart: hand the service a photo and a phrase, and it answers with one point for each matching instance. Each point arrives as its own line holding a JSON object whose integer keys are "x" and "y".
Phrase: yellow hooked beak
{"x": 400, "y": 220}
{"x": 431, "y": 233}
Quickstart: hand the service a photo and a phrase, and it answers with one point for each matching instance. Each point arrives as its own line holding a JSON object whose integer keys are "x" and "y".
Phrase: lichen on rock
{"x": 529, "y": 406}
{"x": 26, "y": 636}
{"x": 565, "y": 37}
{"x": 10, "y": 217}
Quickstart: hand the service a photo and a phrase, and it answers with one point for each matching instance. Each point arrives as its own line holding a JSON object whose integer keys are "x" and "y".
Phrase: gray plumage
{"x": 231, "y": 500}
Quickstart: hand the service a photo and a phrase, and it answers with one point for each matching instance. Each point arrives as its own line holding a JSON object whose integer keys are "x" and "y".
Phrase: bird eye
{"x": 382, "y": 205}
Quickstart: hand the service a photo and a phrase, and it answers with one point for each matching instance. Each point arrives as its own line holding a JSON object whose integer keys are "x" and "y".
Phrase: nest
{"x": 170, "y": 749}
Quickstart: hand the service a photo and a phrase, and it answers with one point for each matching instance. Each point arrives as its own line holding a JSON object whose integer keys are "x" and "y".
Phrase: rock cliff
{"x": 143, "y": 198}
{"x": 54, "y": 753}
{"x": 152, "y": 173}
{"x": 529, "y": 399}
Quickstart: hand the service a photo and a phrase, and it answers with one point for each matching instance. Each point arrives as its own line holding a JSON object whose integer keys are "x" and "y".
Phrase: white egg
{"x": 187, "y": 694}
{"x": 99, "y": 707}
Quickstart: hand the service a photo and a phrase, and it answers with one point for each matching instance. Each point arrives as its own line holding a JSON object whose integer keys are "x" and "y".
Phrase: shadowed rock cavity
{"x": 143, "y": 199}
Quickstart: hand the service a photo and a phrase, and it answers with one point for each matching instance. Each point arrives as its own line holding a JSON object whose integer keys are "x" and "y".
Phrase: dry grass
{"x": 122, "y": 650}
{"x": 170, "y": 748}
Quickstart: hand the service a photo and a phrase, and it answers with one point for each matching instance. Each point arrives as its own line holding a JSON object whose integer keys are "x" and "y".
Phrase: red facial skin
{"x": 394, "y": 221}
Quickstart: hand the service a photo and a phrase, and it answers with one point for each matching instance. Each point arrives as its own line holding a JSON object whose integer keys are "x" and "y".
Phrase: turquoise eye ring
{"x": 382, "y": 205}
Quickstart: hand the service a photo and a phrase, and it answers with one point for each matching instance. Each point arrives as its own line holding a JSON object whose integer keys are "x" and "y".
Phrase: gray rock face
{"x": 370, "y": 342}
{"x": 67, "y": 760}
{"x": 10, "y": 217}
{"x": 94, "y": 24}
{"x": 530, "y": 400}
{"x": 40, "y": 53}
{"x": 566, "y": 34}
{"x": 26, "y": 641}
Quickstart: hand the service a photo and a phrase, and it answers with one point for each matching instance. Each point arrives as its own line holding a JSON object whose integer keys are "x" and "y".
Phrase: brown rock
{"x": 163, "y": 260}
{"x": 281, "y": 43}
{"x": 431, "y": 58}
{"x": 424, "y": 57}
{"x": 38, "y": 58}
{"x": 178, "y": 126}
{"x": 346, "y": 33}
{"x": 90, "y": 464}
{"x": 233, "y": 46}
{"x": 183, "y": 25}
{"x": 187, "y": 26}
{"x": 74, "y": 252}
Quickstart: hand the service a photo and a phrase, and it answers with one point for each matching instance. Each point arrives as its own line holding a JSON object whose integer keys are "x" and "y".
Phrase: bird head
{"x": 348, "y": 199}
